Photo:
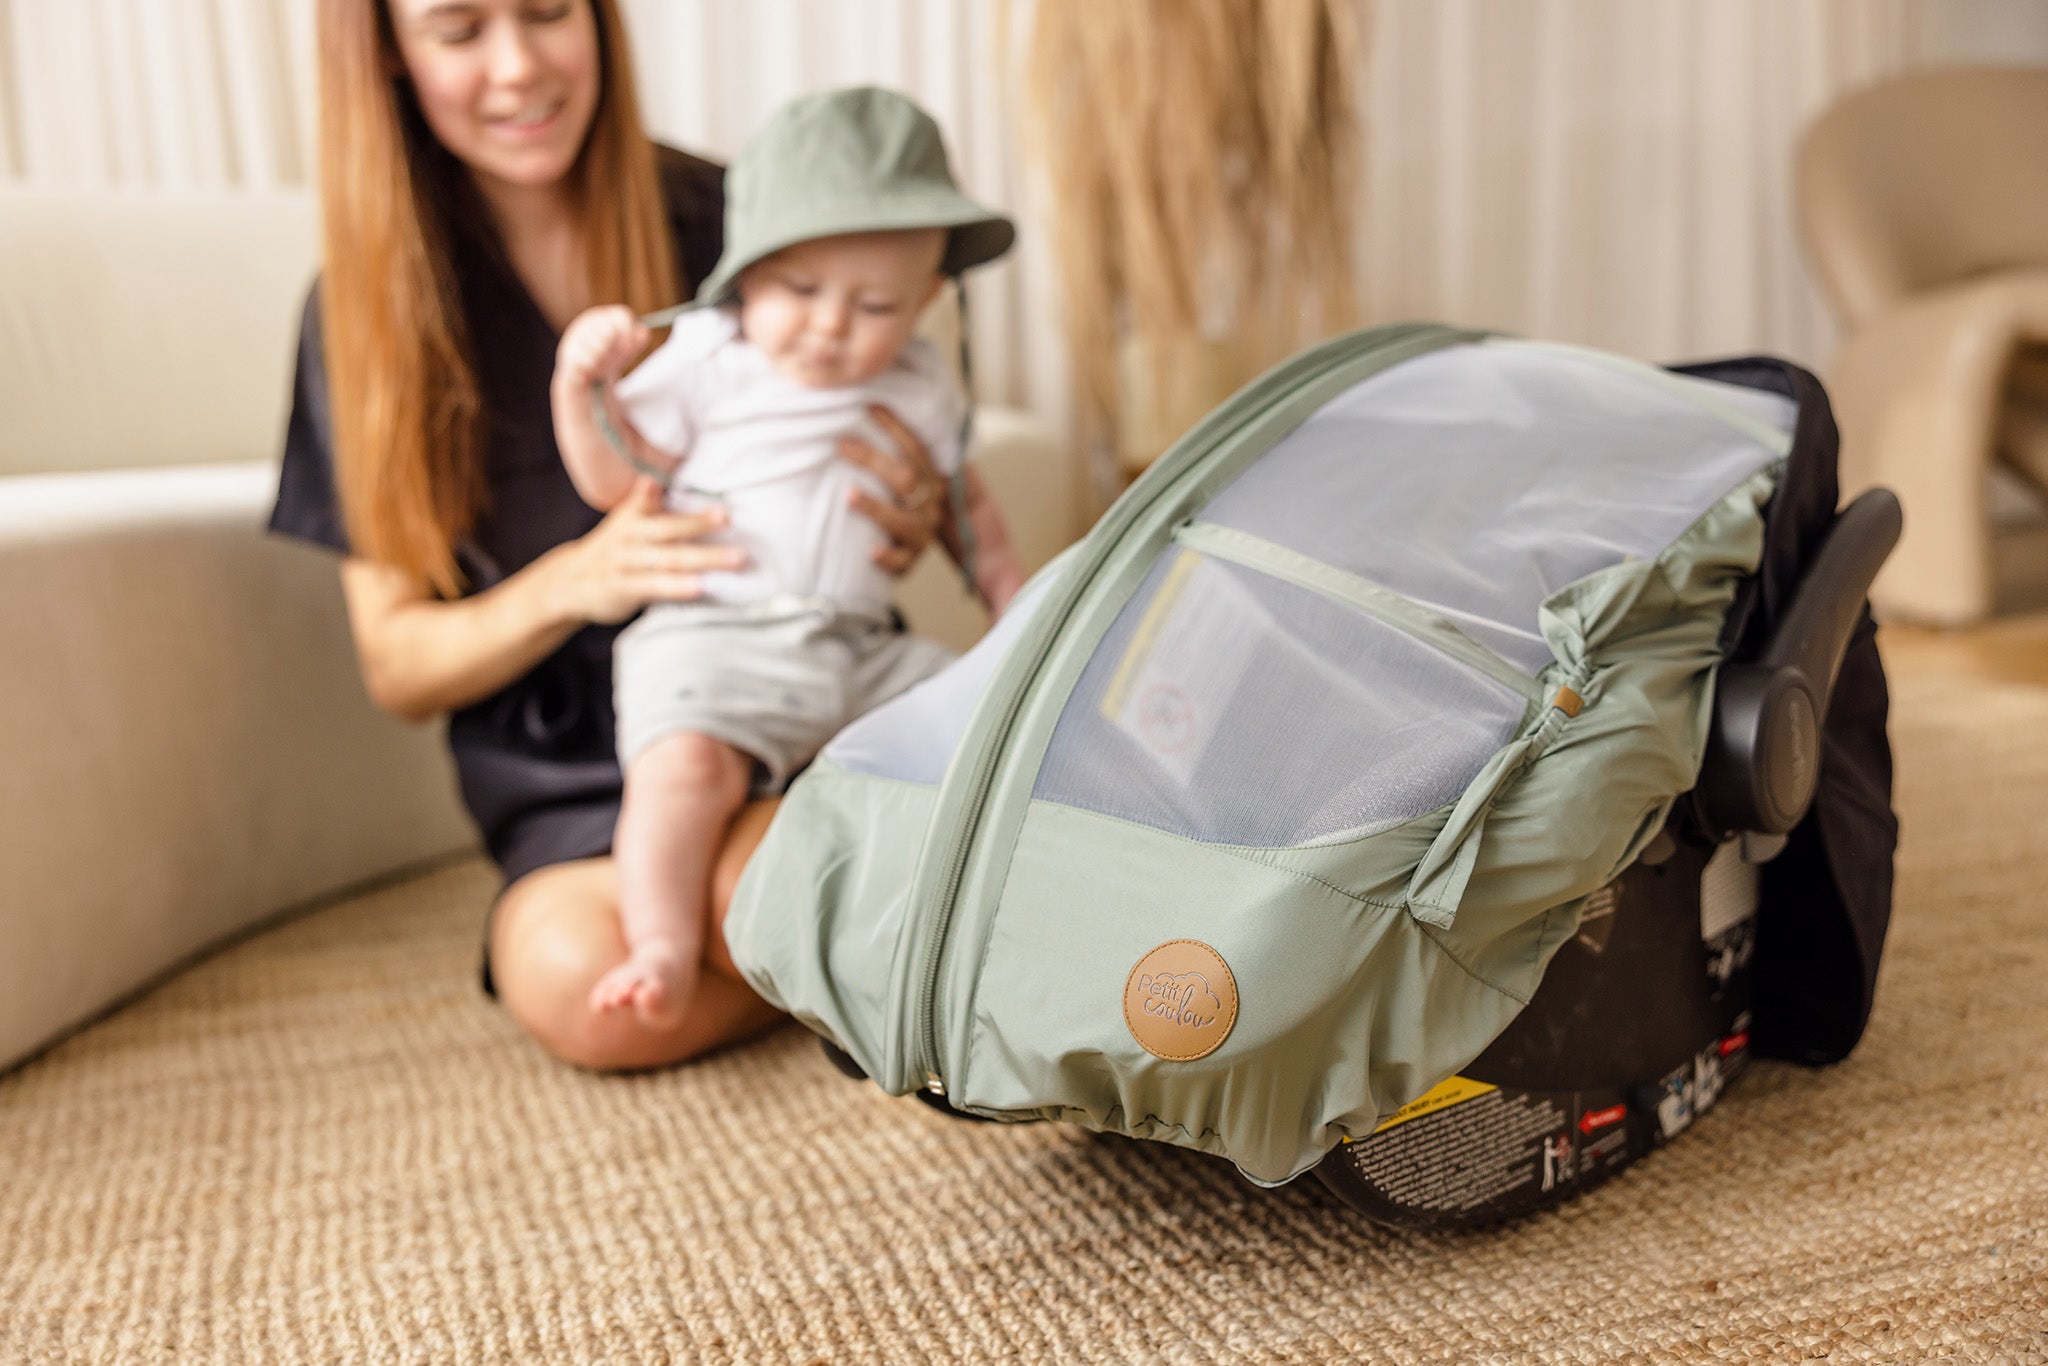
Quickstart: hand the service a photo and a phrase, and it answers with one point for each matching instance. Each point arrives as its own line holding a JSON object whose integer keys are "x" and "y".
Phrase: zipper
{"x": 1184, "y": 457}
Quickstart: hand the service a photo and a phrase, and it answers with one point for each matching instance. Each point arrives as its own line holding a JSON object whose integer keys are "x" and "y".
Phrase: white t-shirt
{"x": 767, "y": 447}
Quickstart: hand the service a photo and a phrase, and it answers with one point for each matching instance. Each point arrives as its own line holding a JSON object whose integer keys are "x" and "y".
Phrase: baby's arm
{"x": 997, "y": 573}
{"x": 598, "y": 345}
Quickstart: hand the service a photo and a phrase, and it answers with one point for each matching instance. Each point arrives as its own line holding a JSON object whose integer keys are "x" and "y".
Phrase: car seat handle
{"x": 1763, "y": 752}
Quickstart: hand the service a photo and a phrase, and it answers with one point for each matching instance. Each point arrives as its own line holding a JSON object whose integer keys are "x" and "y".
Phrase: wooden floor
{"x": 2007, "y": 649}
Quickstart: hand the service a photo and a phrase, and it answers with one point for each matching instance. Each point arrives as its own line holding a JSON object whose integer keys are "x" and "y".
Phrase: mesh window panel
{"x": 1479, "y": 480}
{"x": 912, "y": 736}
{"x": 1230, "y": 707}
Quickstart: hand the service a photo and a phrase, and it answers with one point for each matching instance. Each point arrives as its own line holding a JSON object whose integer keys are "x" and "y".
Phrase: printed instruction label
{"x": 1200, "y": 639}
{"x": 1469, "y": 1155}
{"x": 1441, "y": 1096}
{"x": 1194, "y": 645}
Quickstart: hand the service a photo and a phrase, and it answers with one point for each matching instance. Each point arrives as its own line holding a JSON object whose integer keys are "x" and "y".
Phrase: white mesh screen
{"x": 1227, "y": 706}
{"x": 912, "y": 736}
{"x": 1478, "y": 480}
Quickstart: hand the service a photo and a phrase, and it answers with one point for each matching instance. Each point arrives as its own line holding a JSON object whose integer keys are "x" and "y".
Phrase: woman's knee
{"x": 748, "y": 828}
{"x": 556, "y": 932}
{"x": 546, "y": 988}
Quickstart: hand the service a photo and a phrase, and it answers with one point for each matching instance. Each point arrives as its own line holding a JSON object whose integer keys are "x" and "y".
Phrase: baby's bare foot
{"x": 651, "y": 981}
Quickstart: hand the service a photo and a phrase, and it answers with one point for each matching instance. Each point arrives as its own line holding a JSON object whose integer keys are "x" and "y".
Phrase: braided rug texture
{"x": 323, "y": 1145}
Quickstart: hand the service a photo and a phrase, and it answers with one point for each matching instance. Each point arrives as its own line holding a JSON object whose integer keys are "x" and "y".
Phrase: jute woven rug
{"x": 324, "y": 1145}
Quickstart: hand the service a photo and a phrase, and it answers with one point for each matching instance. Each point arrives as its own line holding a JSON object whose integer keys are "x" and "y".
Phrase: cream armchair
{"x": 185, "y": 749}
{"x": 1923, "y": 201}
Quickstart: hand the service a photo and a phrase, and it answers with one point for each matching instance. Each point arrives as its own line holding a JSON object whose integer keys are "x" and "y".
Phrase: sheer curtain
{"x": 1614, "y": 172}
{"x": 1619, "y": 172}
{"x": 164, "y": 94}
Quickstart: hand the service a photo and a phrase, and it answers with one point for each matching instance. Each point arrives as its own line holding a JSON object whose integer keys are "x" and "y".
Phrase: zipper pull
{"x": 933, "y": 1084}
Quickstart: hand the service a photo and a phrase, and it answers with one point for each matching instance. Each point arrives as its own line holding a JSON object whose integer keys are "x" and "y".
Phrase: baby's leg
{"x": 682, "y": 792}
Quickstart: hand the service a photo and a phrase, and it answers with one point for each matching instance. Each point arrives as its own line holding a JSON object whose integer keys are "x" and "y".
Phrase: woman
{"x": 484, "y": 178}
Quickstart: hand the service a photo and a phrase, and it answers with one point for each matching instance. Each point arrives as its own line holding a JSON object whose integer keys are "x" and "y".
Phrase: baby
{"x": 842, "y": 222}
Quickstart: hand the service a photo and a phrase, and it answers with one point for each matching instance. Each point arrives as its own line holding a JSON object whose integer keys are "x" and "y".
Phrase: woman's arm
{"x": 997, "y": 572}
{"x": 421, "y": 655}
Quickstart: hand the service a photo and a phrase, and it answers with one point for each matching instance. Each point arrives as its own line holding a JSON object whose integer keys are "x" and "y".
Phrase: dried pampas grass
{"x": 1203, "y": 161}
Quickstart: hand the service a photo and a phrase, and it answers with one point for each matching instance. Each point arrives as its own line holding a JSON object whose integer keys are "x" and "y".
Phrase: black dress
{"x": 535, "y": 761}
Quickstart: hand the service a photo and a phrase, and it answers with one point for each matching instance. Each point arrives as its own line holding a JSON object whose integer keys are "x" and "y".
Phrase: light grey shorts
{"x": 774, "y": 679}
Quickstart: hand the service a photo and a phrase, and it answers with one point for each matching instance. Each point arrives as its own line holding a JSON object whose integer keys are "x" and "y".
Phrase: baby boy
{"x": 842, "y": 222}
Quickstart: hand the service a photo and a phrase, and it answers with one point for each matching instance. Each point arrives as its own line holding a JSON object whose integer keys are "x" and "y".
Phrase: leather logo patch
{"x": 1180, "y": 1001}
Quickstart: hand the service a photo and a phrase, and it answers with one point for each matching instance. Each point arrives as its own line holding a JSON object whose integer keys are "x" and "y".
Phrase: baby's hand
{"x": 598, "y": 345}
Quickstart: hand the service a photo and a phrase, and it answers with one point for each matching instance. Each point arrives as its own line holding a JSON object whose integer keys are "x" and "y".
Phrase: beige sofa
{"x": 185, "y": 748}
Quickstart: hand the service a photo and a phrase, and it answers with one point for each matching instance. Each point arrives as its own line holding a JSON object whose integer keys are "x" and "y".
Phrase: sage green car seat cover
{"x": 1264, "y": 807}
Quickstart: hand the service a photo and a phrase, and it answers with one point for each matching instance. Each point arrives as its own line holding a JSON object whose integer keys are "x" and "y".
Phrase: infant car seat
{"x": 1440, "y": 770}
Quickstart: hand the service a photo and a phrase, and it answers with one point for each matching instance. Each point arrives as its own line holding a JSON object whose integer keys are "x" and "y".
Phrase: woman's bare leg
{"x": 557, "y": 930}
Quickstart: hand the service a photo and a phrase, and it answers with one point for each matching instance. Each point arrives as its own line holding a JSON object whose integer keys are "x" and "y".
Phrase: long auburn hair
{"x": 396, "y": 207}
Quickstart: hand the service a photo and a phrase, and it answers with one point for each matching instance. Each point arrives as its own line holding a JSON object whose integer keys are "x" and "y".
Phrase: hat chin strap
{"x": 601, "y": 413}
{"x": 956, "y": 484}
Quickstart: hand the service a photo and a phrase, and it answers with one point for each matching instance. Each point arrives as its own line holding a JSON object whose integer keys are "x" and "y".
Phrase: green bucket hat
{"x": 857, "y": 160}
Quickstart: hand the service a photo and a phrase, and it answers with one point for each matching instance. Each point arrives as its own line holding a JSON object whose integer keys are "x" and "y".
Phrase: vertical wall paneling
{"x": 262, "y": 119}
{"x": 1452, "y": 117}
{"x": 129, "y": 154}
{"x": 63, "y": 141}
{"x": 10, "y": 120}
{"x": 1545, "y": 112}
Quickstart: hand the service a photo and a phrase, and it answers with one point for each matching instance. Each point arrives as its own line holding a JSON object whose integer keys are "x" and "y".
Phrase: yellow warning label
{"x": 1442, "y": 1096}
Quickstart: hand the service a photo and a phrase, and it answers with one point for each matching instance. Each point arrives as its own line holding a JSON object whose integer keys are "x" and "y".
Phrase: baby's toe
{"x": 656, "y": 1004}
{"x": 614, "y": 989}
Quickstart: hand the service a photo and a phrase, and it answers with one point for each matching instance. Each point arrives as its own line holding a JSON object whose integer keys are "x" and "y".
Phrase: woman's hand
{"x": 910, "y": 519}
{"x": 638, "y": 554}
{"x": 421, "y": 656}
